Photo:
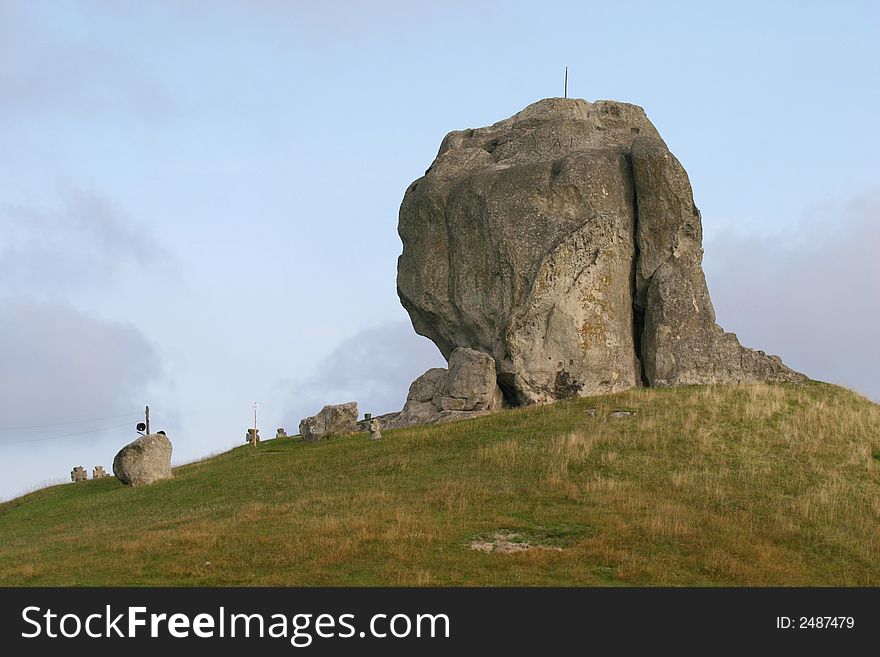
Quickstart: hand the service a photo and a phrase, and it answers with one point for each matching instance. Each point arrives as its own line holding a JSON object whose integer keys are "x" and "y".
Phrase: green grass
{"x": 718, "y": 485}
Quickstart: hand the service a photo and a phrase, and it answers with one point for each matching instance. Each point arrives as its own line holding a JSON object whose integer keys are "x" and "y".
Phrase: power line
{"x": 58, "y": 424}
{"x": 66, "y": 435}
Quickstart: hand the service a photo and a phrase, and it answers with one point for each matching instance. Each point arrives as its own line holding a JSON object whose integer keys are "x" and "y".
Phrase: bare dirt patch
{"x": 506, "y": 543}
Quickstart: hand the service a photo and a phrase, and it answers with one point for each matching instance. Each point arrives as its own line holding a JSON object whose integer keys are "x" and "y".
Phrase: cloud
{"x": 85, "y": 240}
{"x": 374, "y": 368}
{"x": 60, "y": 364}
{"x": 810, "y": 296}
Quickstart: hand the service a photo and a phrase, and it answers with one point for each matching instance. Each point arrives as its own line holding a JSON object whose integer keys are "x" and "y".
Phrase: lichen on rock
{"x": 564, "y": 242}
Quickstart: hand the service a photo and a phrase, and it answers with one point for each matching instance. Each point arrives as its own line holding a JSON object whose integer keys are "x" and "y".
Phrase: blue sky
{"x": 198, "y": 201}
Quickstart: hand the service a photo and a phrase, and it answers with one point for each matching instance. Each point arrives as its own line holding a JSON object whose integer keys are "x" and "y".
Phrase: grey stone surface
{"x": 331, "y": 420}
{"x": 681, "y": 343}
{"x": 144, "y": 461}
{"x": 419, "y": 407}
{"x": 466, "y": 389}
{"x": 564, "y": 243}
{"x": 470, "y": 383}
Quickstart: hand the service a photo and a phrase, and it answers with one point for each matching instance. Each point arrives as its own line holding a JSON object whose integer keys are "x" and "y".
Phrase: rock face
{"x": 467, "y": 388}
{"x": 470, "y": 383}
{"x": 144, "y": 461}
{"x": 332, "y": 420}
{"x": 564, "y": 243}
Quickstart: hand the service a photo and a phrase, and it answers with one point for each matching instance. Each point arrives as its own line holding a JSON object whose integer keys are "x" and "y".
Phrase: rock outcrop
{"x": 564, "y": 242}
{"x": 466, "y": 389}
{"x": 332, "y": 420}
{"x": 144, "y": 461}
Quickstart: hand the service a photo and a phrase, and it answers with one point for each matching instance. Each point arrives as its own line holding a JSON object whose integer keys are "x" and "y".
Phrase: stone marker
{"x": 79, "y": 474}
{"x": 375, "y": 433}
{"x": 280, "y": 433}
{"x": 99, "y": 472}
{"x": 144, "y": 461}
{"x": 249, "y": 436}
{"x": 332, "y": 420}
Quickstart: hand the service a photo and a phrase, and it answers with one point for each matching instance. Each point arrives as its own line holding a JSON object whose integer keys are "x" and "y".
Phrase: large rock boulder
{"x": 332, "y": 420}
{"x": 144, "y": 461}
{"x": 466, "y": 389}
{"x": 564, "y": 243}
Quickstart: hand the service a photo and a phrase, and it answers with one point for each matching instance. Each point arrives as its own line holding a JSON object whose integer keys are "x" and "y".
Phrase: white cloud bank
{"x": 62, "y": 360}
{"x": 811, "y": 296}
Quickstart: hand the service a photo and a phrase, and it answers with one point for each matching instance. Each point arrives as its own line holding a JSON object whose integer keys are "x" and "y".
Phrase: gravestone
{"x": 79, "y": 474}
{"x": 249, "y": 436}
{"x": 375, "y": 433}
{"x": 280, "y": 433}
{"x": 98, "y": 472}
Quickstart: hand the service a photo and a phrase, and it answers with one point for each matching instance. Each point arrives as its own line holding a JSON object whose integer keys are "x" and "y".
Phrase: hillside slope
{"x": 731, "y": 485}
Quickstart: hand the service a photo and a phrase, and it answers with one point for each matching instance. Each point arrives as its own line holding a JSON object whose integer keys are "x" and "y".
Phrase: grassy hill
{"x": 728, "y": 485}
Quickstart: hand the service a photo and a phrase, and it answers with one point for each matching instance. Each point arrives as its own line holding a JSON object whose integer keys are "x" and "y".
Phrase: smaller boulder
{"x": 470, "y": 383}
{"x": 468, "y": 388}
{"x": 425, "y": 387}
{"x": 419, "y": 407}
{"x": 144, "y": 461}
{"x": 375, "y": 431}
{"x": 332, "y": 420}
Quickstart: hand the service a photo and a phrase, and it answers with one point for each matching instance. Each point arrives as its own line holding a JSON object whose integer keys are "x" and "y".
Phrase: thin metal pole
{"x": 566, "y": 82}
{"x": 255, "y": 424}
{"x": 147, "y": 417}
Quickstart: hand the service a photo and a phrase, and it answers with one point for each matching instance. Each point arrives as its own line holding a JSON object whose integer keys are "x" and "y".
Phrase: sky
{"x": 198, "y": 201}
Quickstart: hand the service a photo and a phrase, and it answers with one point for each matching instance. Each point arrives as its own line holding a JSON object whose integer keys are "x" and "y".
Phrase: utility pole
{"x": 255, "y": 424}
{"x": 566, "y": 82}
{"x": 147, "y": 418}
